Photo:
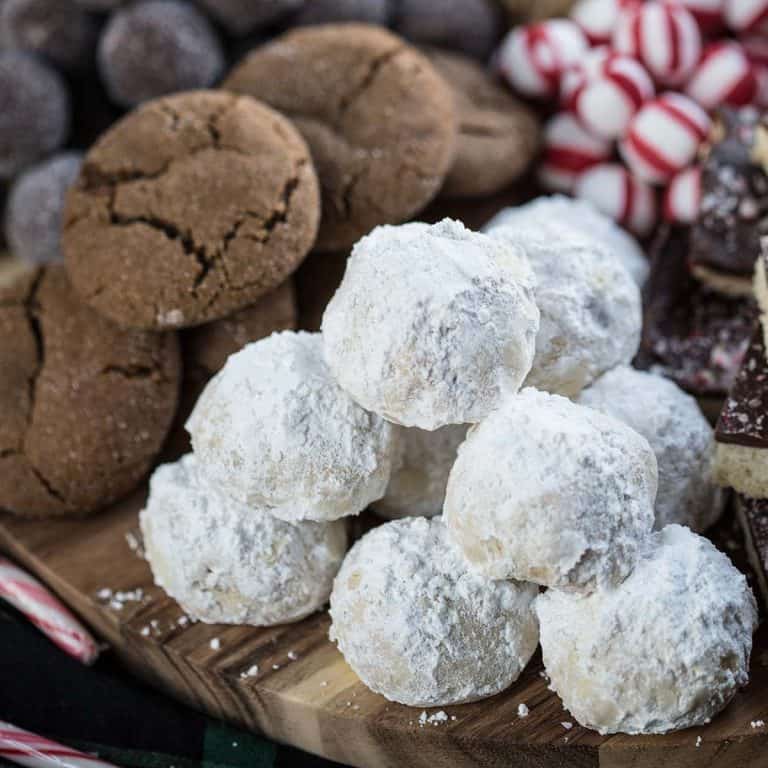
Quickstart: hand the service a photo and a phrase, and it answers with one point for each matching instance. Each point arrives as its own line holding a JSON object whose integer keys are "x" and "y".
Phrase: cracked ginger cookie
{"x": 84, "y": 405}
{"x": 188, "y": 209}
{"x": 379, "y": 120}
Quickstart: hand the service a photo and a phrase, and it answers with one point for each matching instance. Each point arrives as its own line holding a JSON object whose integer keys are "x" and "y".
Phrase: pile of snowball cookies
{"x": 474, "y": 388}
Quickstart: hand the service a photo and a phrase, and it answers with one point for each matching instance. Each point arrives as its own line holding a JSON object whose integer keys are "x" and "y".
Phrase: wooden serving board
{"x": 305, "y": 695}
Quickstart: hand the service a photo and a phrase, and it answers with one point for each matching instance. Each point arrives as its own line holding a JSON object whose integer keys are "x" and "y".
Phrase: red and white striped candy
{"x": 596, "y": 18}
{"x": 682, "y": 199}
{"x": 605, "y": 91}
{"x": 756, "y": 48}
{"x": 724, "y": 76}
{"x": 568, "y": 151}
{"x": 620, "y": 195}
{"x": 33, "y": 751}
{"x": 746, "y": 16}
{"x": 708, "y": 13}
{"x": 46, "y": 612}
{"x": 533, "y": 58}
{"x": 665, "y": 38}
{"x": 663, "y": 137}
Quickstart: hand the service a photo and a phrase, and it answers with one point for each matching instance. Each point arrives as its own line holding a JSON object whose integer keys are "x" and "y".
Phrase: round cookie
{"x": 667, "y": 649}
{"x": 419, "y": 627}
{"x": 379, "y": 121}
{"x": 498, "y": 135}
{"x": 334, "y": 11}
{"x": 35, "y": 115}
{"x": 591, "y": 313}
{"x": 420, "y": 471}
{"x": 228, "y": 563}
{"x": 679, "y": 435}
{"x": 154, "y": 47}
{"x": 58, "y": 30}
{"x": 587, "y": 219}
{"x": 34, "y": 209}
{"x": 274, "y": 430}
{"x": 432, "y": 324}
{"x": 84, "y": 405}
{"x": 241, "y": 17}
{"x": 548, "y": 491}
{"x": 470, "y": 26}
{"x": 188, "y": 209}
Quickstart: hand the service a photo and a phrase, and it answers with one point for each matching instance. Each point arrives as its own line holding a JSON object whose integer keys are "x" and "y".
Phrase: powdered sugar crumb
{"x": 215, "y": 644}
{"x": 522, "y": 710}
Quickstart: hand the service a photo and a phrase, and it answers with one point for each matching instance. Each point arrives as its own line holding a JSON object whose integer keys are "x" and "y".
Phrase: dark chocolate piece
{"x": 744, "y": 418}
{"x": 692, "y": 334}
{"x": 734, "y": 204}
{"x": 753, "y": 518}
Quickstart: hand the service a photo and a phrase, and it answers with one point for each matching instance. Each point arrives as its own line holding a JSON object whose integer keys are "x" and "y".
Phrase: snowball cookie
{"x": 419, "y": 627}
{"x": 84, "y": 405}
{"x": 379, "y": 120}
{"x": 667, "y": 649}
{"x": 681, "y": 437}
{"x": 34, "y": 111}
{"x": 432, "y": 324}
{"x": 35, "y": 205}
{"x": 229, "y": 563}
{"x": 498, "y": 135}
{"x": 420, "y": 470}
{"x": 548, "y": 491}
{"x": 274, "y": 429}
{"x": 591, "y": 314}
{"x": 584, "y": 216}
{"x": 154, "y": 47}
{"x": 188, "y": 209}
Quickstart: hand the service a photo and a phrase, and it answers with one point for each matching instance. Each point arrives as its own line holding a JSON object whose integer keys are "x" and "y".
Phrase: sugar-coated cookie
{"x": 421, "y": 628}
{"x": 666, "y": 649}
{"x": 188, "y": 209}
{"x": 230, "y": 563}
{"x": 84, "y": 405}
{"x": 548, "y": 491}
{"x": 380, "y": 122}
{"x": 274, "y": 430}
{"x": 432, "y": 324}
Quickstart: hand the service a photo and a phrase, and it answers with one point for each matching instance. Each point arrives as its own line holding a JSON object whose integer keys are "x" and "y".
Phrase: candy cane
{"x": 34, "y": 751}
{"x": 46, "y": 612}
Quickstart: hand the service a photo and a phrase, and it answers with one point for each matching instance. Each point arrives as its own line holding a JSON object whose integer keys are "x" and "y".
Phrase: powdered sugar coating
{"x": 420, "y": 628}
{"x": 420, "y": 471}
{"x": 679, "y": 434}
{"x": 225, "y": 562}
{"x": 273, "y": 429}
{"x": 587, "y": 219}
{"x": 666, "y": 649}
{"x": 548, "y": 491}
{"x": 591, "y": 315}
{"x": 432, "y": 324}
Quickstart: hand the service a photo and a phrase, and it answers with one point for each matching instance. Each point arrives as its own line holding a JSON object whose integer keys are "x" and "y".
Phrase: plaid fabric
{"x": 104, "y": 710}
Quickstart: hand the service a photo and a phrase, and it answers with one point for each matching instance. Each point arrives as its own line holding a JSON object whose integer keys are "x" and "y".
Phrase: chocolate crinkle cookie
{"x": 189, "y": 209}
{"x": 380, "y": 122}
{"x": 240, "y": 17}
{"x": 327, "y": 11}
{"x": 34, "y": 111}
{"x": 59, "y": 30}
{"x": 156, "y": 47}
{"x": 35, "y": 204}
{"x": 471, "y": 26}
{"x": 84, "y": 405}
{"x": 498, "y": 135}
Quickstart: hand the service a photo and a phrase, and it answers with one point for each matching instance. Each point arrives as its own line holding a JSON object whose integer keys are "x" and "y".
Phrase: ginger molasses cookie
{"x": 380, "y": 122}
{"x": 190, "y": 208}
{"x": 84, "y": 405}
{"x": 498, "y": 135}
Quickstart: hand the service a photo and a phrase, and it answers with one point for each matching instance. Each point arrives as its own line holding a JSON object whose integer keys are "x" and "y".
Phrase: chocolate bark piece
{"x": 692, "y": 334}
{"x": 741, "y": 455}
{"x": 725, "y": 239}
{"x": 752, "y": 515}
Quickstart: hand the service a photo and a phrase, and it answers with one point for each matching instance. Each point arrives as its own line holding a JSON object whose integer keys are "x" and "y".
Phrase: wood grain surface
{"x": 304, "y": 694}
